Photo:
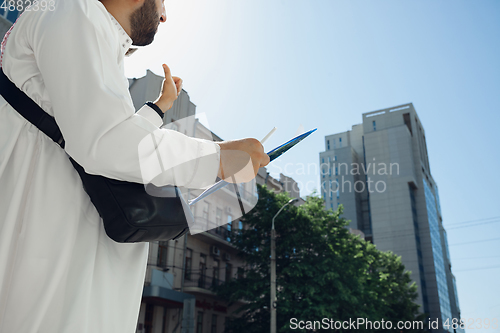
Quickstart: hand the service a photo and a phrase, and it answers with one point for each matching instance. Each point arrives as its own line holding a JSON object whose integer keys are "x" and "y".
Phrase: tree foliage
{"x": 323, "y": 271}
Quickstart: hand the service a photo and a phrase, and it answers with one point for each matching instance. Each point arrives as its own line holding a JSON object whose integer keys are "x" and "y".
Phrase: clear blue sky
{"x": 253, "y": 64}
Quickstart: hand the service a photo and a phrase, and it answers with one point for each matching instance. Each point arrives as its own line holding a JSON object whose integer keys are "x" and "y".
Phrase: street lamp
{"x": 273, "y": 268}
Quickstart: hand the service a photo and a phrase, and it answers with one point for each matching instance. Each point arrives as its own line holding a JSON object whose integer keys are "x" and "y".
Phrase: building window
{"x": 228, "y": 227}
{"x": 214, "y": 324}
{"x": 340, "y": 142}
{"x": 162, "y": 254}
{"x": 328, "y": 144}
{"x": 189, "y": 261}
{"x": 215, "y": 279}
{"x": 322, "y": 160}
{"x": 199, "y": 322}
{"x": 374, "y": 125}
{"x": 336, "y": 171}
{"x": 218, "y": 220}
{"x": 242, "y": 190}
{"x": 148, "y": 319}
{"x": 203, "y": 270}
{"x": 206, "y": 208}
{"x": 334, "y": 144}
{"x": 240, "y": 225}
{"x": 229, "y": 271}
{"x": 407, "y": 120}
{"x": 12, "y": 15}
{"x": 335, "y": 158}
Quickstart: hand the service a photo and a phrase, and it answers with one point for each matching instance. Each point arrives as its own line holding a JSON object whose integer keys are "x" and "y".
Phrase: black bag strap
{"x": 31, "y": 111}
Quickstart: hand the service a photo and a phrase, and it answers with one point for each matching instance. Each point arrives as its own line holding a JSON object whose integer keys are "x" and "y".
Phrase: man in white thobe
{"x": 59, "y": 271}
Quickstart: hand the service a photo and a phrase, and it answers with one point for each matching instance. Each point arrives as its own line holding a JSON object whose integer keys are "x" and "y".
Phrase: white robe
{"x": 59, "y": 272}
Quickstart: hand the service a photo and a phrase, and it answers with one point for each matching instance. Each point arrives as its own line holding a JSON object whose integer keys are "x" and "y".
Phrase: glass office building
{"x": 8, "y": 15}
{"x": 382, "y": 174}
{"x": 437, "y": 252}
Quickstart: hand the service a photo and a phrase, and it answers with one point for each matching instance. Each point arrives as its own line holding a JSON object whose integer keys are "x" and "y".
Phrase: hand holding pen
{"x": 240, "y": 160}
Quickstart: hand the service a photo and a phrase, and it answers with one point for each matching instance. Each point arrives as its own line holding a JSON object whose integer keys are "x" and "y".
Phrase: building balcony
{"x": 201, "y": 283}
{"x": 217, "y": 235}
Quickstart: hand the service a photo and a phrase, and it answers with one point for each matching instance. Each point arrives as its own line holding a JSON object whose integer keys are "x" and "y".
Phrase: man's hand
{"x": 240, "y": 160}
{"x": 170, "y": 90}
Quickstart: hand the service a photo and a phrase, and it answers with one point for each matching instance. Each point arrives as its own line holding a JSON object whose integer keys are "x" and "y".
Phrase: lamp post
{"x": 273, "y": 268}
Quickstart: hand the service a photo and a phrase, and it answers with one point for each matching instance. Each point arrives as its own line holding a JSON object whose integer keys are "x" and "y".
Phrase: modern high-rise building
{"x": 379, "y": 171}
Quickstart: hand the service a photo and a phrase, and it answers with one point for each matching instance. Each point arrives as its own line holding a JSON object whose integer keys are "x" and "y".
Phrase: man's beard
{"x": 144, "y": 24}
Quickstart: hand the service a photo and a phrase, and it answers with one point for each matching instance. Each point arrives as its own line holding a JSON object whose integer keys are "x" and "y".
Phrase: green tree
{"x": 323, "y": 271}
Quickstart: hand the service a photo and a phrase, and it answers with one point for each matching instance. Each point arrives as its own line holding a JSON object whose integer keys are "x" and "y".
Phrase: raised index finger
{"x": 166, "y": 69}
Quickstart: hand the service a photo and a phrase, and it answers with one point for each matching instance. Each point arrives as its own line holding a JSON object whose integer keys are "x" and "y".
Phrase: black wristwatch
{"x": 156, "y": 108}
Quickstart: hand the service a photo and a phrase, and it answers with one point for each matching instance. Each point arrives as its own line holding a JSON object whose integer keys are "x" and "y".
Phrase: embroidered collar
{"x": 125, "y": 40}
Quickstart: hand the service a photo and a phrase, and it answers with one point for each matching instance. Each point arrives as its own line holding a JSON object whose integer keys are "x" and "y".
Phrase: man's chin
{"x": 145, "y": 40}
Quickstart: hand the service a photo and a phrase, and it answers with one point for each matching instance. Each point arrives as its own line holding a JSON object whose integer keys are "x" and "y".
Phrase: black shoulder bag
{"x": 130, "y": 214}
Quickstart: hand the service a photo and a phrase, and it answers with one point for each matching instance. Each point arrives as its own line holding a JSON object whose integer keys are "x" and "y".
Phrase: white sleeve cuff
{"x": 151, "y": 115}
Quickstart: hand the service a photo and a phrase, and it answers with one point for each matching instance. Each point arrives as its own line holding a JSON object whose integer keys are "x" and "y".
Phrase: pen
{"x": 268, "y": 135}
